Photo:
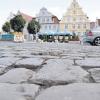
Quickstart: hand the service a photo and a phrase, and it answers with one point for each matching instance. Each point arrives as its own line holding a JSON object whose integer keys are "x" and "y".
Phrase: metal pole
{"x": 36, "y": 33}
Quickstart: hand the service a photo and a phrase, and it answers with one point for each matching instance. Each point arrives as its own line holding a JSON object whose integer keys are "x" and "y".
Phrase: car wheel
{"x": 97, "y": 41}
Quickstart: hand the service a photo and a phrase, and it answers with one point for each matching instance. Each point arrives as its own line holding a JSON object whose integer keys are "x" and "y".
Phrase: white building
{"x": 48, "y": 21}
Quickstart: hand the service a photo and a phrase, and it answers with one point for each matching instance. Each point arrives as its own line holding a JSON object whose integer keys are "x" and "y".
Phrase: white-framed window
{"x": 73, "y": 26}
{"x": 74, "y": 12}
{"x": 54, "y": 27}
{"x": 49, "y": 27}
{"x": 79, "y": 26}
{"x": 74, "y": 19}
{"x": 80, "y": 18}
{"x": 43, "y": 20}
{"x": 48, "y": 20}
{"x": 68, "y": 18}
{"x": 66, "y": 26}
{"x": 45, "y": 26}
{"x": 84, "y": 26}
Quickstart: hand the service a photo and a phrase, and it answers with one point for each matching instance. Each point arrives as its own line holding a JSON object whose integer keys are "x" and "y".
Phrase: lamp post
{"x": 36, "y": 35}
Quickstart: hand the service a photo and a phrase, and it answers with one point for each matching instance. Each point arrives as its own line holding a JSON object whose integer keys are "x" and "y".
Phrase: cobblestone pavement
{"x": 49, "y": 71}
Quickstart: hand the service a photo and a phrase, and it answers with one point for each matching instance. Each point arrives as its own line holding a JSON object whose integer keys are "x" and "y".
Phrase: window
{"x": 43, "y": 20}
{"x": 74, "y": 19}
{"x": 49, "y": 27}
{"x": 74, "y": 5}
{"x": 54, "y": 27}
{"x": 47, "y": 19}
{"x": 78, "y": 26}
{"x": 74, "y": 12}
{"x": 66, "y": 26}
{"x": 68, "y": 18}
{"x": 73, "y": 26}
{"x": 45, "y": 27}
{"x": 84, "y": 25}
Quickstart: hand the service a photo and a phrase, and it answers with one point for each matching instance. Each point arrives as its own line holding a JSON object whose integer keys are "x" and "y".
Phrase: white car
{"x": 92, "y": 37}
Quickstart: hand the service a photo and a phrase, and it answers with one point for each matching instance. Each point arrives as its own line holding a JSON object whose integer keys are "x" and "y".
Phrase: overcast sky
{"x": 57, "y": 7}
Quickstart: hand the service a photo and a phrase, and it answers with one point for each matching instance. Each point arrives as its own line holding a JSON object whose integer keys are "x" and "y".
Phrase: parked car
{"x": 92, "y": 37}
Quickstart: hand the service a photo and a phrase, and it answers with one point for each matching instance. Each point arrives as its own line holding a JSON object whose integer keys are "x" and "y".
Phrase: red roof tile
{"x": 28, "y": 18}
{"x": 55, "y": 19}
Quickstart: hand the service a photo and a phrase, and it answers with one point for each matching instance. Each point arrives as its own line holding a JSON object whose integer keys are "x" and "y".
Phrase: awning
{"x": 55, "y": 33}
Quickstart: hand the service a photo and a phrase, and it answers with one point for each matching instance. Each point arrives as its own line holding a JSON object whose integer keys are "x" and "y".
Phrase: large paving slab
{"x": 77, "y": 91}
{"x": 60, "y": 71}
{"x": 18, "y": 91}
{"x": 8, "y": 61}
{"x": 95, "y": 73}
{"x": 31, "y": 63}
{"x": 89, "y": 63}
{"x": 17, "y": 75}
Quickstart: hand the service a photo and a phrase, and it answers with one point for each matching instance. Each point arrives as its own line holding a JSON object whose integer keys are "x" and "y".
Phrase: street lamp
{"x": 36, "y": 35}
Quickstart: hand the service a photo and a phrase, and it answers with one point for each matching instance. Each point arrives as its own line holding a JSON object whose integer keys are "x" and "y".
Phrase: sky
{"x": 57, "y": 7}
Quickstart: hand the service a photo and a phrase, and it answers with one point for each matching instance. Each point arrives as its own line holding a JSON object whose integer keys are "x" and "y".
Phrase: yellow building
{"x": 75, "y": 20}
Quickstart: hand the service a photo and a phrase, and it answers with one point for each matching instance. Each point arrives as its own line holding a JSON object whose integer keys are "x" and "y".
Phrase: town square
{"x": 43, "y": 57}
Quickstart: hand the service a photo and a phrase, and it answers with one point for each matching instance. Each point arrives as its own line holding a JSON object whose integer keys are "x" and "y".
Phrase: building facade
{"x": 48, "y": 21}
{"x": 75, "y": 20}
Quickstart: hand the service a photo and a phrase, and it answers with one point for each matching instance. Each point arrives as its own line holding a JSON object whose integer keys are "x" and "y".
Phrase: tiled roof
{"x": 28, "y": 18}
{"x": 55, "y": 19}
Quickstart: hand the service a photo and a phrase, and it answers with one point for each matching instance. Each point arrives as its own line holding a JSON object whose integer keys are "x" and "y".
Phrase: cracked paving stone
{"x": 89, "y": 63}
{"x": 18, "y": 91}
{"x": 17, "y": 75}
{"x": 60, "y": 71}
{"x": 8, "y": 61}
{"x": 31, "y": 63}
{"x": 76, "y": 91}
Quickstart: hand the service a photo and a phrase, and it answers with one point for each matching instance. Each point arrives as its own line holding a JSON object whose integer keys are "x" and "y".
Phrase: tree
{"x": 17, "y": 23}
{"x": 6, "y": 27}
{"x": 33, "y": 27}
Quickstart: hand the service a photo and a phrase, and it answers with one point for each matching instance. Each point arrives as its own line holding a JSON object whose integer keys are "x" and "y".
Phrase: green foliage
{"x": 74, "y": 38}
{"x": 33, "y": 27}
{"x": 17, "y": 23}
{"x": 6, "y": 27}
